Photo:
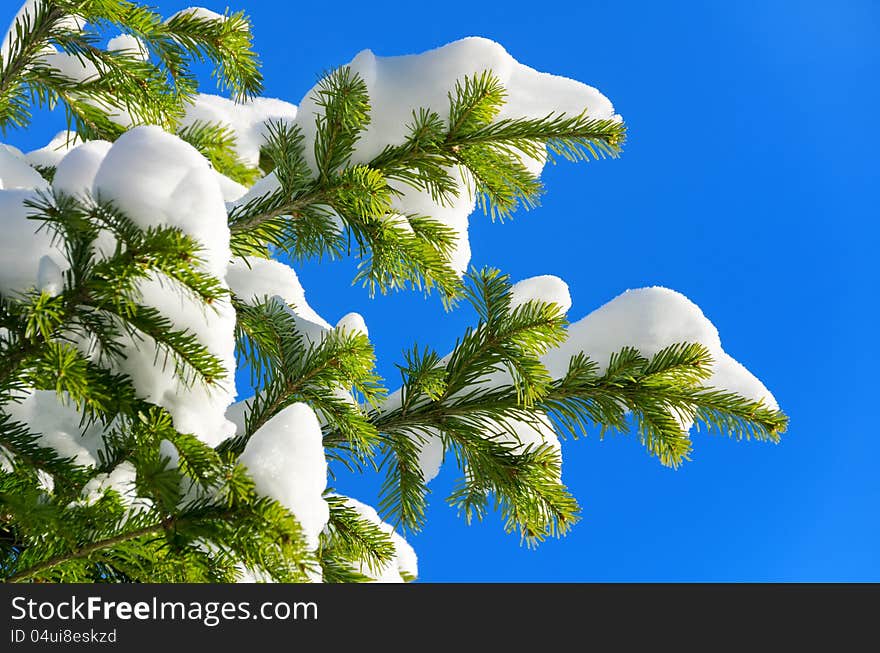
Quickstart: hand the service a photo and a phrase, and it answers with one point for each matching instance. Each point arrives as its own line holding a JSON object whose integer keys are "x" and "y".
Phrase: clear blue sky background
{"x": 749, "y": 183}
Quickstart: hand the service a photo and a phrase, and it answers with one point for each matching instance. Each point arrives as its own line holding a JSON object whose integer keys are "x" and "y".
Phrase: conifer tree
{"x": 130, "y": 291}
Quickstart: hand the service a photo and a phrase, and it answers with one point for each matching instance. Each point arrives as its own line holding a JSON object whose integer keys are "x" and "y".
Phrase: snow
{"x": 285, "y": 458}
{"x": 404, "y": 562}
{"x": 45, "y": 481}
{"x": 261, "y": 188}
{"x": 6, "y": 460}
{"x": 50, "y": 154}
{"x": 246, "y": 119}
{"x": 525, "y": 435}
{"x": 352, "y": 323}
{"x": 27, "y": 8}
{"x": 24, "y": 246}
{"x": 648, "y": 319}
{"x": 546, "y": 288}
{"x": 255, "y": 279}
{"x": 58, "y": 425}
{"x": 229, "y": 188}
{"x": 50, "y": 276}
{"x": 651, "y": 319}
{"x": 11, "y": 149}
{"x": 427, "y": 440}
{"x": 16, "y": 173}
{"x": 157, "y": 179}
{"x": 520, "y": 435}
{"x": 198, "y": 12}
{"x": 78, "y": 69}
{"x": 399, "y": 85}
{"x": 236, "y": 414}
{"x": 130, "y": 45}
{"x": 75, "y": 176}
{"x": 430, "y": 457}
{"x": 122, "y": 479}
{"x": 75, "y": 173}
{"x": 454, "y": 213}
{"x": 168, "y": 450}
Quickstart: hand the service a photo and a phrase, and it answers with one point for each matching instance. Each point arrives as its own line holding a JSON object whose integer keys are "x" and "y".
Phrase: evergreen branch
{"x": 290, "y": 369}
{"x": 662, "y": 393}
{"x": 490, "y": 153}
{"x": 339, "y": 570}
{"x": 449, "y": 398}
{"x": 330, "y": 365}
{"x": 217, "y": 143}
{"x": 404, "y": 492}
{"x": 87, "y": 550}
{"x": 523, "y": 485}
{"x": 354, "y": 539}
{"x": 24, "y": 445}
{"x": 502, "y": 182}
{"x": 108, "y": 286}
{"x": 116, "y": 84}
{"x": 474, "y": 103}
{"x": 575, "y": 138}
{"x": 191, "y": 358}
{"x": 343, "y": 97}
{"x": 475, "y": 411}
{"x": 29, "y": 37}
{"x": 226, "y": 43}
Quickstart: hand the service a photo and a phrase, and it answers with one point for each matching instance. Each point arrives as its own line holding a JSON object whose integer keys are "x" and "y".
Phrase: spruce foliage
{"x": 199, "y": 518}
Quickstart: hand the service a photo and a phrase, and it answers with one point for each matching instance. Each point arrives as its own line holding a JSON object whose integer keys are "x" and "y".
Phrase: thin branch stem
{"x": 89, "y": 549}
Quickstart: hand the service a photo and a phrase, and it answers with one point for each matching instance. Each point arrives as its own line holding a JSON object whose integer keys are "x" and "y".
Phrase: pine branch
{"x": 474, "y": 400}
{"x": 491, "y": 153}
{"x": 217, "y": 143}
{"x": 404, "y": 492}
{"x": 87, "y": 550}
{"x": 343, "y": 97}
{"x": 290, "y": 369}
{"x": 353, "y": 539}
{"x": 31, "y": 35}
{"x": 24, "y": 445}
{"x": 108, "y": 287}
{"x": 142, "y": 92}
{"x": 160, "y": 505}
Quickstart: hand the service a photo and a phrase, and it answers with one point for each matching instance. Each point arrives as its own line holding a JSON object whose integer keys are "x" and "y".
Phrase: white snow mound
{"x": 285, "y": 458}
{"x": 50, "y": 154}
{"x": 75, "y": 173}
{"x": 15, "y": 173}
{"x": 546, "y": 288}
{"x": 156, "y": 179}
{"x": 247, "y": 120}
{"x": 27, "y": 250}
{"x": 651, "y": 319}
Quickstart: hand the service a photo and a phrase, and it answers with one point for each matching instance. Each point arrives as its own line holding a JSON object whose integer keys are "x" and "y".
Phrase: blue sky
{"x": 748, "y": 183}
